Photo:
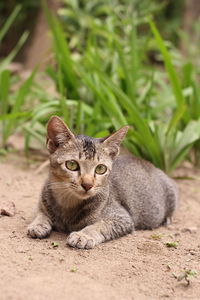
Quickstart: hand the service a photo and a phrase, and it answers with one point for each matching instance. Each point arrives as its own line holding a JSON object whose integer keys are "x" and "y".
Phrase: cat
{"x": 95, "y": 195}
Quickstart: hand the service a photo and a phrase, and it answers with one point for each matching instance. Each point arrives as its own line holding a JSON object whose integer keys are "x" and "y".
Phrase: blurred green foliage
{"x": 79, "y": 17}
{"x": 11, "y": 104}
{"x": 25, "y": 20}
{"x": 113, "y": 67}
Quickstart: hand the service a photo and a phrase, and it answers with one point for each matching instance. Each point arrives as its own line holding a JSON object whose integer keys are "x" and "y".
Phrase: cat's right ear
{"x": 57, "y": 134}
{"x": 113, "y": 141}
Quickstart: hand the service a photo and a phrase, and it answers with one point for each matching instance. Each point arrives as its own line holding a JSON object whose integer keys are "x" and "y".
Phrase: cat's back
{"x": 134, "y": 173}
{"x": 129, "y": 166}
{"x": 144, "y": 189}
{"x": 133, "y": 176}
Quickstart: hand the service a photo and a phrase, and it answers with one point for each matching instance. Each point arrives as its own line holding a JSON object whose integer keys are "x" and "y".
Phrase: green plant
{"x": 121, "y": 89}
{"x": 55, "y": 244}
{"x": 10, "y": 105}
{"x": 167, "y": 143}
{"x": 80, "y": 18}
{"x": 106, "y": 82}
{"x": 74, "y": 269}
{"x": 172, "y": 244}
{"x": 4, "y": 30}
{"x": 186, "y": 275}
{"x": 23, "y": 22}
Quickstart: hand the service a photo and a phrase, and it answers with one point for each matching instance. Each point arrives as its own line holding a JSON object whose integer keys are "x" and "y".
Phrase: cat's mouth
{"x": 83, "y": 192}
{"x": 86, "y": 193}
{"x": 89, "y": 192}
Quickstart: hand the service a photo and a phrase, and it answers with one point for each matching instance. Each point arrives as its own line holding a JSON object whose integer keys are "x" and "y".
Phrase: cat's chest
{"x": 62, "y": 219}
{"x": 73, "y": 218}
{"x": 65, "y": 218}
{"x": 72, "y": 214}
{"x": 64, "y": 209}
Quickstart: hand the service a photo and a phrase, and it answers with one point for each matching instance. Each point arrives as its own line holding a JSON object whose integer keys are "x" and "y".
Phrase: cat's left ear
{"x": 113, "y": 141}
{"x": 57, "y": 134}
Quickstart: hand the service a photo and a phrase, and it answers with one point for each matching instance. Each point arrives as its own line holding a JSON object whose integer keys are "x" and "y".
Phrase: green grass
{"x": 165, "y": 143}
{"x": 9, "y": 22}
{"x": 10, "y": 105}
{"x": 106, "y": 82}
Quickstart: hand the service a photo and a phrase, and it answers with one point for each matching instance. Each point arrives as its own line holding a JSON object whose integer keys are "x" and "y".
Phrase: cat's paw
{"x": 39, "y": 230}
{"x": 80, "y": 240}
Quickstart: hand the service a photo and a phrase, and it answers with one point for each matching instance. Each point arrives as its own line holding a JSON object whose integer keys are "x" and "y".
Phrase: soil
{"x": 137, "y": 266}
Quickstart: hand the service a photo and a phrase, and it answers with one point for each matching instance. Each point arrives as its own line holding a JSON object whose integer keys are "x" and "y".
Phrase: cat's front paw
{"x": 80, "y": 240}
{"x": 39, "y": 230}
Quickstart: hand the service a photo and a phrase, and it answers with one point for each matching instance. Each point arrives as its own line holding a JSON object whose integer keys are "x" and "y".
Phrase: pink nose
{"x": 86, "y": 186}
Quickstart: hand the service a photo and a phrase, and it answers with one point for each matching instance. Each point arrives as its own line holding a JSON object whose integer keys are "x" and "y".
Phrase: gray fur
{"x": 132, "y": 194}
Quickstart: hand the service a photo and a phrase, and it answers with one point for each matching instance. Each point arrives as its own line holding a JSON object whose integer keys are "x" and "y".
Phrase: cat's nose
{"x": 86, "y": 186}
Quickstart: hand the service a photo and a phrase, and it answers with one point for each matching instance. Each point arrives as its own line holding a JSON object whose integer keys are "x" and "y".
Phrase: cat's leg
{"x": 41, "y": 226}
{"x": 99, "y": 232}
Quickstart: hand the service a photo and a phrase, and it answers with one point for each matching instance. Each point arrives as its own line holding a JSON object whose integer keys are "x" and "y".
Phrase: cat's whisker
{"x": 60, "y": 184}
{"x": 75, "y": 187}
{"x": 61, "y": 188}
{"x": 56, "y": 183}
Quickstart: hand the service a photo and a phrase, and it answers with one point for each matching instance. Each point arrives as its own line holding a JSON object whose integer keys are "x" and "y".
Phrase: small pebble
{"x": 7, "y": 209}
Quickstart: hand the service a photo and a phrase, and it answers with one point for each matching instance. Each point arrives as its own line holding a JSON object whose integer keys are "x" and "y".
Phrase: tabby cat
{"x": 95, "y": 195}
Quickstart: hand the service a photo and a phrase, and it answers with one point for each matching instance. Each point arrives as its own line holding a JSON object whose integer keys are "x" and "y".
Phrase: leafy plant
{"x": 172, "y": 244}
{"x": 80, "y": 18}
{"x": 55, "y": 244}
{"x": 106, "y": 82}
{"x": 10, "y": 106}
{"x": 186, "y": 275}
{"x": 109, "y": 86}
{"x": 3, "y": 32}
{"x": 73, "y": 269}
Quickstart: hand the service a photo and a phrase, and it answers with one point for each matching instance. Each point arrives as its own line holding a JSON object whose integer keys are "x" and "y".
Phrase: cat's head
{"x": 80, "y": 165}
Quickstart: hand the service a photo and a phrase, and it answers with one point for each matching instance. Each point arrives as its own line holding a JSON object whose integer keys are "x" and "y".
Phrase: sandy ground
{"x": 137, "y": 266}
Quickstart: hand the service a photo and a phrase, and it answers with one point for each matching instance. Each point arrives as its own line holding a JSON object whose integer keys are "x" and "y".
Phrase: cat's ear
{"x": 113, "y": 141}
{"x": 57, "y": 134}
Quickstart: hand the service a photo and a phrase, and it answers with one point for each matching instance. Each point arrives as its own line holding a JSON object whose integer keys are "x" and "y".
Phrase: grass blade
{"x": 9, "y": 21}
{"x": 63, "y": 104}
{"x": 173, "y": 76}
{"x": 14, "y": 52}
{"x": 18, "y": 102}
{"x": 62, "y": 53}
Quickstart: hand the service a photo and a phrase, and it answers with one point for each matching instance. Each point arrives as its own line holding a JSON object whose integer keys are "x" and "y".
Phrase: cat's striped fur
{"x": 132, "y": 194}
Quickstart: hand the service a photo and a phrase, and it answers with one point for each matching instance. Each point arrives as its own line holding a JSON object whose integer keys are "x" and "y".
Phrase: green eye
{"x": 72, "y": 165}
{"x": 101, "y": 169}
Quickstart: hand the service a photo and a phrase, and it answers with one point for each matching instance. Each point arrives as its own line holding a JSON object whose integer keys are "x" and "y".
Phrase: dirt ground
{"x": 138, "y": 266}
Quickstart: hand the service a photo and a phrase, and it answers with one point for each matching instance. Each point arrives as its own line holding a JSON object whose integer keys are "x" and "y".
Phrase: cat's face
{"x": 81, "y": 175}
{"x": 80, "y": 165}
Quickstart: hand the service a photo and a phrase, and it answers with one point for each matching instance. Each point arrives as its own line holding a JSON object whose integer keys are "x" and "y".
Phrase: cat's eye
{"x": 101, "y": 169}
{"x": 72, "y": 165}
